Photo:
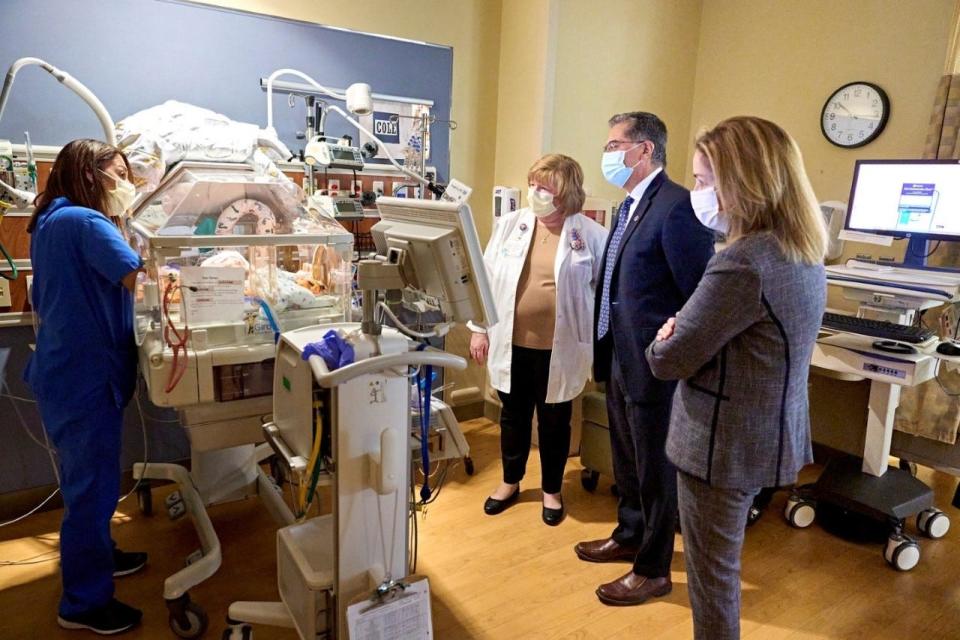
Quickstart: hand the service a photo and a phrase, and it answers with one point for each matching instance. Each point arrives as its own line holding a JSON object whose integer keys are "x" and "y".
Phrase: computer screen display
{"x": 906, "y": 198}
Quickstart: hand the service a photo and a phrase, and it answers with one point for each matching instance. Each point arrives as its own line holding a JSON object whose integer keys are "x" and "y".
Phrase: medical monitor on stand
{"x": 914, "y": 199}
{"x": 438, "y": 251}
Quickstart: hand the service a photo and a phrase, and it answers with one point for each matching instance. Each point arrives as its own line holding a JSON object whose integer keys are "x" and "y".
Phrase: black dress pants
{"x": 529, "y": 372}
{"x": 646, "y": 479}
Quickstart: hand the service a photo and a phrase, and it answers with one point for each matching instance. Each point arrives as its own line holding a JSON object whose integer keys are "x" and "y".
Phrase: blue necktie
{"x": 603, "y": 324}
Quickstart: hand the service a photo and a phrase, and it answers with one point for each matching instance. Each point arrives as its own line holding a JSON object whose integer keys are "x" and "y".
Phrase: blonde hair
{"x": 763, "y": 186}
{"x": 564, "y": 174}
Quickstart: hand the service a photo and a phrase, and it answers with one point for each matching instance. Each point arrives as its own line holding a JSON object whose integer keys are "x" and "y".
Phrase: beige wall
{"x": 781, "y": 59}
{"x": 523, "y": 96}
{"x": 623, "y": 55}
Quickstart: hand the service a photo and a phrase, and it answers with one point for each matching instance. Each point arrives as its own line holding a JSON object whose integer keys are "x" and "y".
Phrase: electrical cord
{"x": 37, "y": 559}
{"x": 16, "y": 409}
{"x": 32, "y": 511}
{"x": 179, "y": 345}
{"x": 920, "y": 255}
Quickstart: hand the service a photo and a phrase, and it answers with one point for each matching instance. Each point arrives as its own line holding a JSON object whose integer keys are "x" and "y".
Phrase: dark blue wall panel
{"x": 135, "y": 54}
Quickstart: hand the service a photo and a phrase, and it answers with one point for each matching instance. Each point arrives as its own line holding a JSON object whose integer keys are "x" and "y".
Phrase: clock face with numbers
{"x": 855, "y": 114}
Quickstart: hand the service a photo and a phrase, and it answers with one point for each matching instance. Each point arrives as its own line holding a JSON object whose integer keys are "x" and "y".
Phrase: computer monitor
{"x": 917, "y": 199}
{"x": 444, "y": 259}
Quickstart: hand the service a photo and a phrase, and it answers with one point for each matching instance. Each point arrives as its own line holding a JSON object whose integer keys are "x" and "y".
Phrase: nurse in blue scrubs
{"x": 83, "y": 372}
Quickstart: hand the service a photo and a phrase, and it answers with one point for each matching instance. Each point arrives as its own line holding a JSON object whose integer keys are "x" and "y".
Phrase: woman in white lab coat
{"x": 543, "y": 263}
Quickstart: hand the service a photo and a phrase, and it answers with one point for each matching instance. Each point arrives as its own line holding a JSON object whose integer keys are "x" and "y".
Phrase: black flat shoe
{"x": 553, "y": 517}
{"x": 492, "y": 506}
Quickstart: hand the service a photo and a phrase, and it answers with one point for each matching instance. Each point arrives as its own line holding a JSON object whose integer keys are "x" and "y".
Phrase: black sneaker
{"x": 127, "y": 562}
{"x": 112, "y": 618}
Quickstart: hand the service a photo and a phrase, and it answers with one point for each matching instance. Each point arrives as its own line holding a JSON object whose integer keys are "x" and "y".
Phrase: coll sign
{"x": 386, "y": 129}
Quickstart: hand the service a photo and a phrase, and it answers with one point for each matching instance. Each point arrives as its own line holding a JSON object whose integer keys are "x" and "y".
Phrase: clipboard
{"x": 399, "y": 610}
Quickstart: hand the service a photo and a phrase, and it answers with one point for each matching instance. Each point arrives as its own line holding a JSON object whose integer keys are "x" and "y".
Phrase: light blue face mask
{"x": 613, "y": 168}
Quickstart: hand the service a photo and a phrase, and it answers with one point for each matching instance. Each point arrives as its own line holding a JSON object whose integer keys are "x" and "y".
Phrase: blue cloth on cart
{"x": 335, "y": 351}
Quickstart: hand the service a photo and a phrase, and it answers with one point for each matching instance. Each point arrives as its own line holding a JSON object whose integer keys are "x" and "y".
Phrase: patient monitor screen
{"x": 903, "y": 198}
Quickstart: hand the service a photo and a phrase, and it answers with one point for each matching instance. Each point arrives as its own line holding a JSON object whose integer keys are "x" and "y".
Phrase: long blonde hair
{"x": 763, "y": 186}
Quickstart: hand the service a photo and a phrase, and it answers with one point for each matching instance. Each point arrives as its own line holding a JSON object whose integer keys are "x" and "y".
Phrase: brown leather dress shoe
{"x": 632, "y": 589}
{"x": 606, "y": 550}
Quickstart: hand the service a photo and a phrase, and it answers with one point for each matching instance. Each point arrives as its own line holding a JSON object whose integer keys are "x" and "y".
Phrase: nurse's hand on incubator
{"x": 666, "y": 330}
{"x": 479, "y": 346}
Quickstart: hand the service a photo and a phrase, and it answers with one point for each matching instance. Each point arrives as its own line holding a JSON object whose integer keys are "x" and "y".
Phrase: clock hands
{"x": 844, "y": 107}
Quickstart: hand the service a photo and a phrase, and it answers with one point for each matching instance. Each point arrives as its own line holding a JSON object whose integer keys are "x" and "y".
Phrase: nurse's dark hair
{"x": 75, "y": 176}
{"x": 644, "y": 126}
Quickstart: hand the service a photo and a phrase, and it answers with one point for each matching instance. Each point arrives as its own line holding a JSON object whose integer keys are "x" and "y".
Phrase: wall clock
{"x": 855, "y": 114}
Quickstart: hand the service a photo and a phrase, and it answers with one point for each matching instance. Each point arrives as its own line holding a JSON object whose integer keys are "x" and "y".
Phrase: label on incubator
{"x": 213, "y": 294}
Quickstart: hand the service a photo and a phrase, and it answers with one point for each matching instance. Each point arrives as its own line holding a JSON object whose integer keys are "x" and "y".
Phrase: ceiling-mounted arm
{"x": 359, "y": 101}
{"x": 68, "y": 81}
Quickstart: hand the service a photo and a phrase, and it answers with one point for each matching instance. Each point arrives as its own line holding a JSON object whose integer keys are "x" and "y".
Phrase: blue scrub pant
{"x": 88, "y": 444}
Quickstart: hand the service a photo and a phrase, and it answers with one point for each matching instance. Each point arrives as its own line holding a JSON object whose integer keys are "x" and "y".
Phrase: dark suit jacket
{"x": 662, "y": 256}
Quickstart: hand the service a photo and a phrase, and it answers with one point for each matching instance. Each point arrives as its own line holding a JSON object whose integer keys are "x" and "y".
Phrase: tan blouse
{"x": 536, "y": 311}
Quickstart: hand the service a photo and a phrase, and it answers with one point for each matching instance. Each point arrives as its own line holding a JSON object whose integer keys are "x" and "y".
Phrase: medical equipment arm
{"x": 358, "y": 101}
{"x": 68, "y": 81}
{"x": 378, "y": 364}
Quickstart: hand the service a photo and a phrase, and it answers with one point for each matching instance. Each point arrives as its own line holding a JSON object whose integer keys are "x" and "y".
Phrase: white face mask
{"x": 120, "y": 197}
{"x": 540, "y": 202}
{"x": 706, "y": 206}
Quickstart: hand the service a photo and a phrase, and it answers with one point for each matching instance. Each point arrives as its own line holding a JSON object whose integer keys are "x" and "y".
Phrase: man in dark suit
{"x": 655, "y": 256}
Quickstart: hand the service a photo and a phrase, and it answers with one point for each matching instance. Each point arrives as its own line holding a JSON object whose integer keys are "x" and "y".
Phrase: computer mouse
{"x": 948, "y": 349}
{"x": 892, "y": 346}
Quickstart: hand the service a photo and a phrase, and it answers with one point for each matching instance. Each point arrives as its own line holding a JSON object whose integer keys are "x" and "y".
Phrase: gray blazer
{"x": 742, "y": 345}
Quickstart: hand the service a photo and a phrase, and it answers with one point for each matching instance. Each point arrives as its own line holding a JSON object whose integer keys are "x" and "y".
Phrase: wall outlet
{"x": 5, "y": 299}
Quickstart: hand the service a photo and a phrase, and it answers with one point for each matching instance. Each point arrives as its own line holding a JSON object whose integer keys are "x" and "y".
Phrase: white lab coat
{"x": 576, "y": 272}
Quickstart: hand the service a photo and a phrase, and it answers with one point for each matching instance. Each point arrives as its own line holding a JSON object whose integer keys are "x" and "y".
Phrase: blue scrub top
{"x": 85, "y": 353}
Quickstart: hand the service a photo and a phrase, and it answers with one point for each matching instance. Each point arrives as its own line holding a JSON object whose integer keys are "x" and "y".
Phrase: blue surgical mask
{"x": 613, "y": 168}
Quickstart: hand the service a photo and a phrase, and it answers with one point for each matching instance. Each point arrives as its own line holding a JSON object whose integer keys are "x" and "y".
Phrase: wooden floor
{"x": 512, "y": 577}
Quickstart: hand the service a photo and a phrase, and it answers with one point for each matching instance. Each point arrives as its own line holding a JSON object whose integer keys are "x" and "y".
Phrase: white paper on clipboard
{"x": 407, "y": 617}
{"x": 212, "y": 294}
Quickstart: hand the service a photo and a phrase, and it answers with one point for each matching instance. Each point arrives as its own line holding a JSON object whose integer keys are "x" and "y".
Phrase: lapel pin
{"x": 523, "y": 226}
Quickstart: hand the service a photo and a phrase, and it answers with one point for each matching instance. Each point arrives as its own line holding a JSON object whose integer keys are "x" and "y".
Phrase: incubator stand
{"x": 232, "y": 259}
{"x": 866, "y": 485}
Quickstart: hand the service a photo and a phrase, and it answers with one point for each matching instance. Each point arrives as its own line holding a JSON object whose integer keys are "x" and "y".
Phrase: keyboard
{"x": 877, "y": 328}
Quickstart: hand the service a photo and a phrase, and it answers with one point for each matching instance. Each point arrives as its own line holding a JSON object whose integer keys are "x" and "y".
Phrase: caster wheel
{"x": 468, "y": 465}
{"x": 187, "y": 619}
{"x": 902, "y": 552}
{"x": 145, "y": 498}
{"x": 908, "y": 466}
{"x": 933, "y": 523}
{"x": 800, "y": 512}
{"x": 589, "y": 479}
{"x": 238, "y": 632}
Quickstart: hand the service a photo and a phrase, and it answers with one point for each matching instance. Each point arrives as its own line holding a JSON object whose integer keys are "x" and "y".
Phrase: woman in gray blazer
{"x": 742, "y": 345}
